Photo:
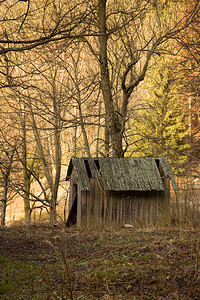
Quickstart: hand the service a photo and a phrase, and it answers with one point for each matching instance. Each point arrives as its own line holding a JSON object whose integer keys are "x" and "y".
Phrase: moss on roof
{"x": 122, "y": 174}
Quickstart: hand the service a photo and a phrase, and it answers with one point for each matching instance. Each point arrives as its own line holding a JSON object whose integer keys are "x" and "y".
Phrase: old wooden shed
{"x": 119, "y": 191}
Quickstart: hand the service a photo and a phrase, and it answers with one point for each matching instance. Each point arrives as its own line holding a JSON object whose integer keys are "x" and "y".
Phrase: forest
{"x": 96, "y": 79}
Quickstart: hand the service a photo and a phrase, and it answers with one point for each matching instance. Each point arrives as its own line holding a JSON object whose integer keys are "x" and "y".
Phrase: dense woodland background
{"x": 96, "y": 78}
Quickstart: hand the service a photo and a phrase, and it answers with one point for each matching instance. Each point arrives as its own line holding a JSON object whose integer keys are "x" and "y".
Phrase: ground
{"x": 42, "y": 263}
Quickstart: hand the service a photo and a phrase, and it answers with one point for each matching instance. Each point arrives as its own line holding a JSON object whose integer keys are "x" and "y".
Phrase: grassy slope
{"x": 38, "y": 263}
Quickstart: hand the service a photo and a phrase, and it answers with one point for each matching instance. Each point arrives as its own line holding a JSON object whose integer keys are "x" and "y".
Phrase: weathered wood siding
{"x": 137, "y": 208}
{"x": 97, "y": 208}
{"x": 92, "y": 206}
{"x": 119, "y": 191}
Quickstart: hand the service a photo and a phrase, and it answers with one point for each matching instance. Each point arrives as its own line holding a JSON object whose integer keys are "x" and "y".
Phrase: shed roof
{"x": 122, "y": 174}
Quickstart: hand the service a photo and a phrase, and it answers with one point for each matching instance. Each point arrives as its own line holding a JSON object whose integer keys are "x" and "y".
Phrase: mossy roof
{"x": 122, "y": 174}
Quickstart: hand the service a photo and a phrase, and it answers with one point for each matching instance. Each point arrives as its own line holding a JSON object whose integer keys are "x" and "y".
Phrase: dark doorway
{"x": 72, "y": 218}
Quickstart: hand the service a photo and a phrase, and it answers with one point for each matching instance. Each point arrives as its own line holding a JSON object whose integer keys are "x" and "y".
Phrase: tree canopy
{"x": 94, "y": 78}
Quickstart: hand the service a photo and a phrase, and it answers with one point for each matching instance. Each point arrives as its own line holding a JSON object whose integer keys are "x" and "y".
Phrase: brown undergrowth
{"x": 39, "y": 262}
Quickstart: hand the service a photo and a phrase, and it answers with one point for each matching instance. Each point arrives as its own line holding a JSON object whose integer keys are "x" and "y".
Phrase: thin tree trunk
{"x": 46, "y": 169}
{"x": 5, "y": 188}
{"x": 98, "y": 131}
{"x": 57, "y": 150}
{"x": 26, "y": 177}
{"x": 85, "y": 138}
{"x": 27, "y": 209}
{"x": 74, "y": 138}
{"x": 3, "y": 212}
{"x": 52, "y": 212}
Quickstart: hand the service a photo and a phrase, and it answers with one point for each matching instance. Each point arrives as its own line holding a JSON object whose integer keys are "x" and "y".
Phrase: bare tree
{"x": 8, "y": 158}
{"x": 137, "y": 28}
{"x": 45, "y": 78}
{"x": 27, "y": 24}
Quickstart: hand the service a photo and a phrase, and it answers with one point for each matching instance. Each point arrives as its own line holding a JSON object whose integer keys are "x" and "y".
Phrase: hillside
{"x": 41, "y": 263}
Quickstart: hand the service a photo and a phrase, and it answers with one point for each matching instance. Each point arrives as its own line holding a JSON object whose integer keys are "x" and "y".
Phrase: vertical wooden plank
{"x": 137, "y": 209}
{"x": 165, "y": 208}
{"x": 115, "y": 208}
{"x": 88, "y": 208}
{"x": 120, "y": 208}
{"x": 110, "y": 210}
{"x": 160, "y": 208}
{"x": 125, "y": 208}
{"x": 148, "y": 208}
{"x": 140, "y": 202}
{"x": 97, "y": 203}
{"x": 133, "y": 207}
{"x": 144, "y": 209}
{"x": 155, "y": 207}
{"x": 130, "y": 210}
{"x": 117, "y": 195}
{"x": 87, "y": 204}
{"x": 84, "y": 208}
{"x": 106, "y": 200}
{"x": 79, "y": 207}
{"x": 101, "y": 201}
{"x": 92, "y": 205}
{"x": 151, "y": 209}
{"x": 125, "y": 200}
{"x": 90, "y": 197}
{"x": 121, "y": 212}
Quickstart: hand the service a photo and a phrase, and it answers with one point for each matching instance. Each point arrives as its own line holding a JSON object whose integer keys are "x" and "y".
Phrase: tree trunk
{"x": 3, "y": 212}
{"x": 27, "y": 210}
{"x": 4, "y": 204}
{"x": 98, "y": 131}
{"x": 112, "y": 119}
{"x": 85, "y": 138}
{"x": 5, "y": 187}
{"x": 26, "y": 177}
{"x": 74, "y": 137}
{"x": 106, "y": 138}
{"x": 52, "y": 211}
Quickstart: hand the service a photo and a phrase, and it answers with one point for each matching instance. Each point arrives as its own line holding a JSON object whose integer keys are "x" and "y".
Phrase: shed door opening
{"x": 72, "y": 218}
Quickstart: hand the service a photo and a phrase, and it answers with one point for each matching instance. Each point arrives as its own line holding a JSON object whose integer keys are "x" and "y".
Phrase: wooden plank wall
{"x": 92, "y": 203}
{"x": 135, "y": 208}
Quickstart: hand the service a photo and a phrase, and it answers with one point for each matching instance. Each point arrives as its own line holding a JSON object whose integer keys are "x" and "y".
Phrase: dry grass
{"x": 44, "y": 263}
{"x": 185, "y": 204}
